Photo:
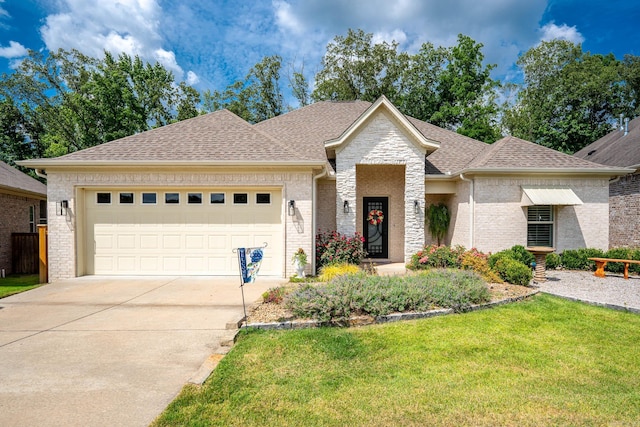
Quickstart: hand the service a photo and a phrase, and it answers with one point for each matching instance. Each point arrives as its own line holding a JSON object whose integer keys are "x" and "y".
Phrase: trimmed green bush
{"x": 553, "y": 261}
{"x": 516, "y": 253}
{"x": 577, "y": 259}
{"x": 513, "y": 271}
{"x": 617, "y": 253}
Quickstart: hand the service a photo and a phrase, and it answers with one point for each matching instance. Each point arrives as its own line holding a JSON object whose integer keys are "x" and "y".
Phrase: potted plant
{"x": 299, "y": 261}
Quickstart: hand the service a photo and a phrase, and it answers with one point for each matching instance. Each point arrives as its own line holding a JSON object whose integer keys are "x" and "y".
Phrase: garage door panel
{"x": 180, "y": 239}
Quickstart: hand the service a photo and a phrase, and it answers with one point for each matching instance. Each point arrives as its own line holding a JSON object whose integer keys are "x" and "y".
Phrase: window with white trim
{"x": 32, "y": 219}
{"x": 540, "y": 224}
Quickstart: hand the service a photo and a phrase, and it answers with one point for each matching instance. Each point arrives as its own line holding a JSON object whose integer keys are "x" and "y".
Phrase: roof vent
{"x": 626, "y": 125}
{"x": 591, "y": 152}
{"x": 621, "y": 128}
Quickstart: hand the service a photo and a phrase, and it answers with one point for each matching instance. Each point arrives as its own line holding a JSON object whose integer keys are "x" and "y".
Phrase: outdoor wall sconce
{"x": 416, "y": 207}
{"x": 62, "y": 207}
{"x": 346, "y": 206}
{"x": 292, "y": 207}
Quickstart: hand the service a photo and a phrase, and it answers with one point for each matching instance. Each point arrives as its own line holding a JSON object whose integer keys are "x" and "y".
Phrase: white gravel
{"x": 612, "y": 291}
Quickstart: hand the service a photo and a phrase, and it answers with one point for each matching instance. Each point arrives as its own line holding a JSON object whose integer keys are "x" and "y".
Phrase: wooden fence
{"x": 24, "y": 253}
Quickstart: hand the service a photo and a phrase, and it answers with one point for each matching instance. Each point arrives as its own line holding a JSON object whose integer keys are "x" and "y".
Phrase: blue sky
{"x": 210, "y": 44}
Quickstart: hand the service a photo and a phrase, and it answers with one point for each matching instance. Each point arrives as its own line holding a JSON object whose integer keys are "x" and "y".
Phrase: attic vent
{"x": 591, "y": 152}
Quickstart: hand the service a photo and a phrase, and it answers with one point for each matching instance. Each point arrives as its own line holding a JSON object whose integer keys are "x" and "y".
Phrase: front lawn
{"x": 15, "y": 284}
{"x": 543, "y": 361}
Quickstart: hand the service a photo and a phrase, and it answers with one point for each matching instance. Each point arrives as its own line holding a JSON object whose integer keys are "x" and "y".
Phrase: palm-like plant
{"x": 438, "y": 219}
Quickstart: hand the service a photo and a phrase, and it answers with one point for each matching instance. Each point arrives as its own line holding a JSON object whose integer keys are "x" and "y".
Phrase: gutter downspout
{"x": 41, "y": 173}
{"x": 471, "y": 208}
{"x": 314, "y": 197}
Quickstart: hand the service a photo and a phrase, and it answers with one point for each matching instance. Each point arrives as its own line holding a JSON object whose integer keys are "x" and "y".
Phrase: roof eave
{"x": 53, "y": 163}
{"x": 547, "y": 171}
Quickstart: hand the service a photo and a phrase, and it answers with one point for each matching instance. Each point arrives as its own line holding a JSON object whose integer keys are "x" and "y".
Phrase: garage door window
{"x": 240, "y": 198}
{"x": 172, "y": 198}
{"x": 217, "y": 198}
{"x": 126, "y": 198}
{"x": 149, "y": 198}
{"x": 103, "y": 198}
{"x": 194, "y": 198}
{"x": 263, "y": 198}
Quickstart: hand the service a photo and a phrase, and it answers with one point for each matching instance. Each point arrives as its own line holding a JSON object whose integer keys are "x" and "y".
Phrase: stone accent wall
{"x": 624, "y": 212}
{"x": 384, "y": 181}
{"x": 501, "y": 220}
{"x": 64, "y": 251}
{"x": 14, "y": 218}
{"x": 326, "y": 205}
{"x": 381, "y": 142}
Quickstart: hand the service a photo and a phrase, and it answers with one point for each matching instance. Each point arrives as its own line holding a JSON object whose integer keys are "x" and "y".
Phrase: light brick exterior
{"x": 381, "y": 142}
{"x": 624, "y": 211}
{"x": 500, "y": 220}
{"x": 14, "y": 218}
{"x": 65, "y": 244}
{"x": 326, "y": 205}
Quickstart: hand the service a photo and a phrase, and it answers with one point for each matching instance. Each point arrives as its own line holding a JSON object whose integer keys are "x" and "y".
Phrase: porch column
{"x": 346, "y": 192}
{"x": 413, "y": 221}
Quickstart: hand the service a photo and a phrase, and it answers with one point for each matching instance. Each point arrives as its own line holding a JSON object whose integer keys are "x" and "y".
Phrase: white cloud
{"x": 3, "y": 11}
{"x": 285, "y": 19}
{"x": 389, "y": 37}
{"x": 551, "y": 31}
{"x": 124, "y": 26}
{"x": 192, "y": 78}
{"x": 14, "y": 50}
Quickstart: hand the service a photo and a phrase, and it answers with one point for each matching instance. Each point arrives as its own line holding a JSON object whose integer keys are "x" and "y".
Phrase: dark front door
{"x": 374, "y": 225}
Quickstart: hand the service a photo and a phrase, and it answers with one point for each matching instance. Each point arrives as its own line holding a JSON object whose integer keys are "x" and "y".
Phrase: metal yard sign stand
{"x": 249, "y": 261}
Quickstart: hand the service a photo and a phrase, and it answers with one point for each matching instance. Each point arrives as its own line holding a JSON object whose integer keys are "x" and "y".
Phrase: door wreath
{"x": 375, "y": 217}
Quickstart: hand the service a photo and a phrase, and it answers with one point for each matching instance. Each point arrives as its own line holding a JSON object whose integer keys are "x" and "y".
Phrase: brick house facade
{"x": 178, "y": 199}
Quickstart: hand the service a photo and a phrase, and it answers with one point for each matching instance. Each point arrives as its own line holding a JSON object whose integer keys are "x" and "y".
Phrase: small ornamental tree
{"x": 438, "y": 219}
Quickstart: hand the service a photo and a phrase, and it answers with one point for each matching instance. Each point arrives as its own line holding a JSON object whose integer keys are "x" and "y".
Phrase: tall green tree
{"x": 569, "y": 98}
{"x": 70, "y": 101}
{"x": 256, "y": 98}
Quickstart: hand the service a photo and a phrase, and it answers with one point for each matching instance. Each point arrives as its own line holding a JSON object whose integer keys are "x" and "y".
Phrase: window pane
{"x": 171, "y": 198}
{"x": 149, "y": 198}
{"x": 104, "y": 198}
{"x": 263, "y": 198}
{"x": 194, "y": 198}
{"x": 126, "y": 198}
{"x": 240, "y": 198}
{"x": 539, "y": 214}
{"x": 540, "y": 235}
{"x": 217, "y": 197}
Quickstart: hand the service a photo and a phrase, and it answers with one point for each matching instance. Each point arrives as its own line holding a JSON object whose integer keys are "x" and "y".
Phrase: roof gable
{"x": 383, "y": 105}
{"x": 13, "y": 180}
{"x": 515, "y": 154}
{"x": 615, "y": 148}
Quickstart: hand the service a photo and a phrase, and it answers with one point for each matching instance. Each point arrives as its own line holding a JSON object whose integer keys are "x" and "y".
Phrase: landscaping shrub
{"x": 513, "y": 271}
{"x": 356, "y": 294}
{"x": 329, "y": 272}
{"x": 274, "y": 295}
{"x": 478, "y": 262}
{"x": 335, "y": 248}
{"x": 617, "y": 253}
{"x": 553, "y": 261}
{"x": 517, "y": 253}
{"x": 434, "y": 256}
{"x": 577, "y": 259}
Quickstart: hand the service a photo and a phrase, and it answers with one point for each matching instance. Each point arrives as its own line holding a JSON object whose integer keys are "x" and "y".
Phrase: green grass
{"x": 15, "y": 284}
{"x": 540, "y": 362}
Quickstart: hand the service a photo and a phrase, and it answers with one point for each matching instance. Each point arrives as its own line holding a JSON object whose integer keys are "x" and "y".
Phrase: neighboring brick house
{"x": 21, "y": 199}
{"x": 178, "y": 199}
{"x": 621, "y": 148}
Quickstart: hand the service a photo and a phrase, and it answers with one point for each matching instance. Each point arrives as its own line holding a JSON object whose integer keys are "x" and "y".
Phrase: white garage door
{"x": 180, "y": 232}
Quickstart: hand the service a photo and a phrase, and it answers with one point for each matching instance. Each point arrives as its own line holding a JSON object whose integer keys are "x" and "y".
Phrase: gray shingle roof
{"x": 13, "y": 179}
{"x": 215, "y": 136}
{"x": 515, "y": 153}
{"x": 615, "y": 148}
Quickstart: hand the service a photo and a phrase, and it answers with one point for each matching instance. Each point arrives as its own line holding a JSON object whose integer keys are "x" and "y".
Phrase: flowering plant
{"x": 335, "y": 248}
{"x": 299, "y": 257}
{"x": 375, "y": 217}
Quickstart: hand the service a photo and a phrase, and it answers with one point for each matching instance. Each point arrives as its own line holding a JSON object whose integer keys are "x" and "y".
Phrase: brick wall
{"x": 326, "y": 205}
{"x": 65, "y": 246}
{"x": 14, "y": 218}
{"x": 624, "y": 212}
{"x": 501, "y": 221}
{"x": 381, "y": 142}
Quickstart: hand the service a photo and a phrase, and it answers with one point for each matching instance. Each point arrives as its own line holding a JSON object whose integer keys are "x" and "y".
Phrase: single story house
{"x": 621, "y": 148}
{"x": 178, "y": 199}
{"x": 22, "y": 208}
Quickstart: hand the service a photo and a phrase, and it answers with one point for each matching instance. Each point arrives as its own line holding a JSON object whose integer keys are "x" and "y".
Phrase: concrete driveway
{"x": 96, "y": 351}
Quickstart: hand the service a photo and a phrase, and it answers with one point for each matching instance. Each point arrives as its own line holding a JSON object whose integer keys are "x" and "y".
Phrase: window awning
{"x": 549, "y": 196}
